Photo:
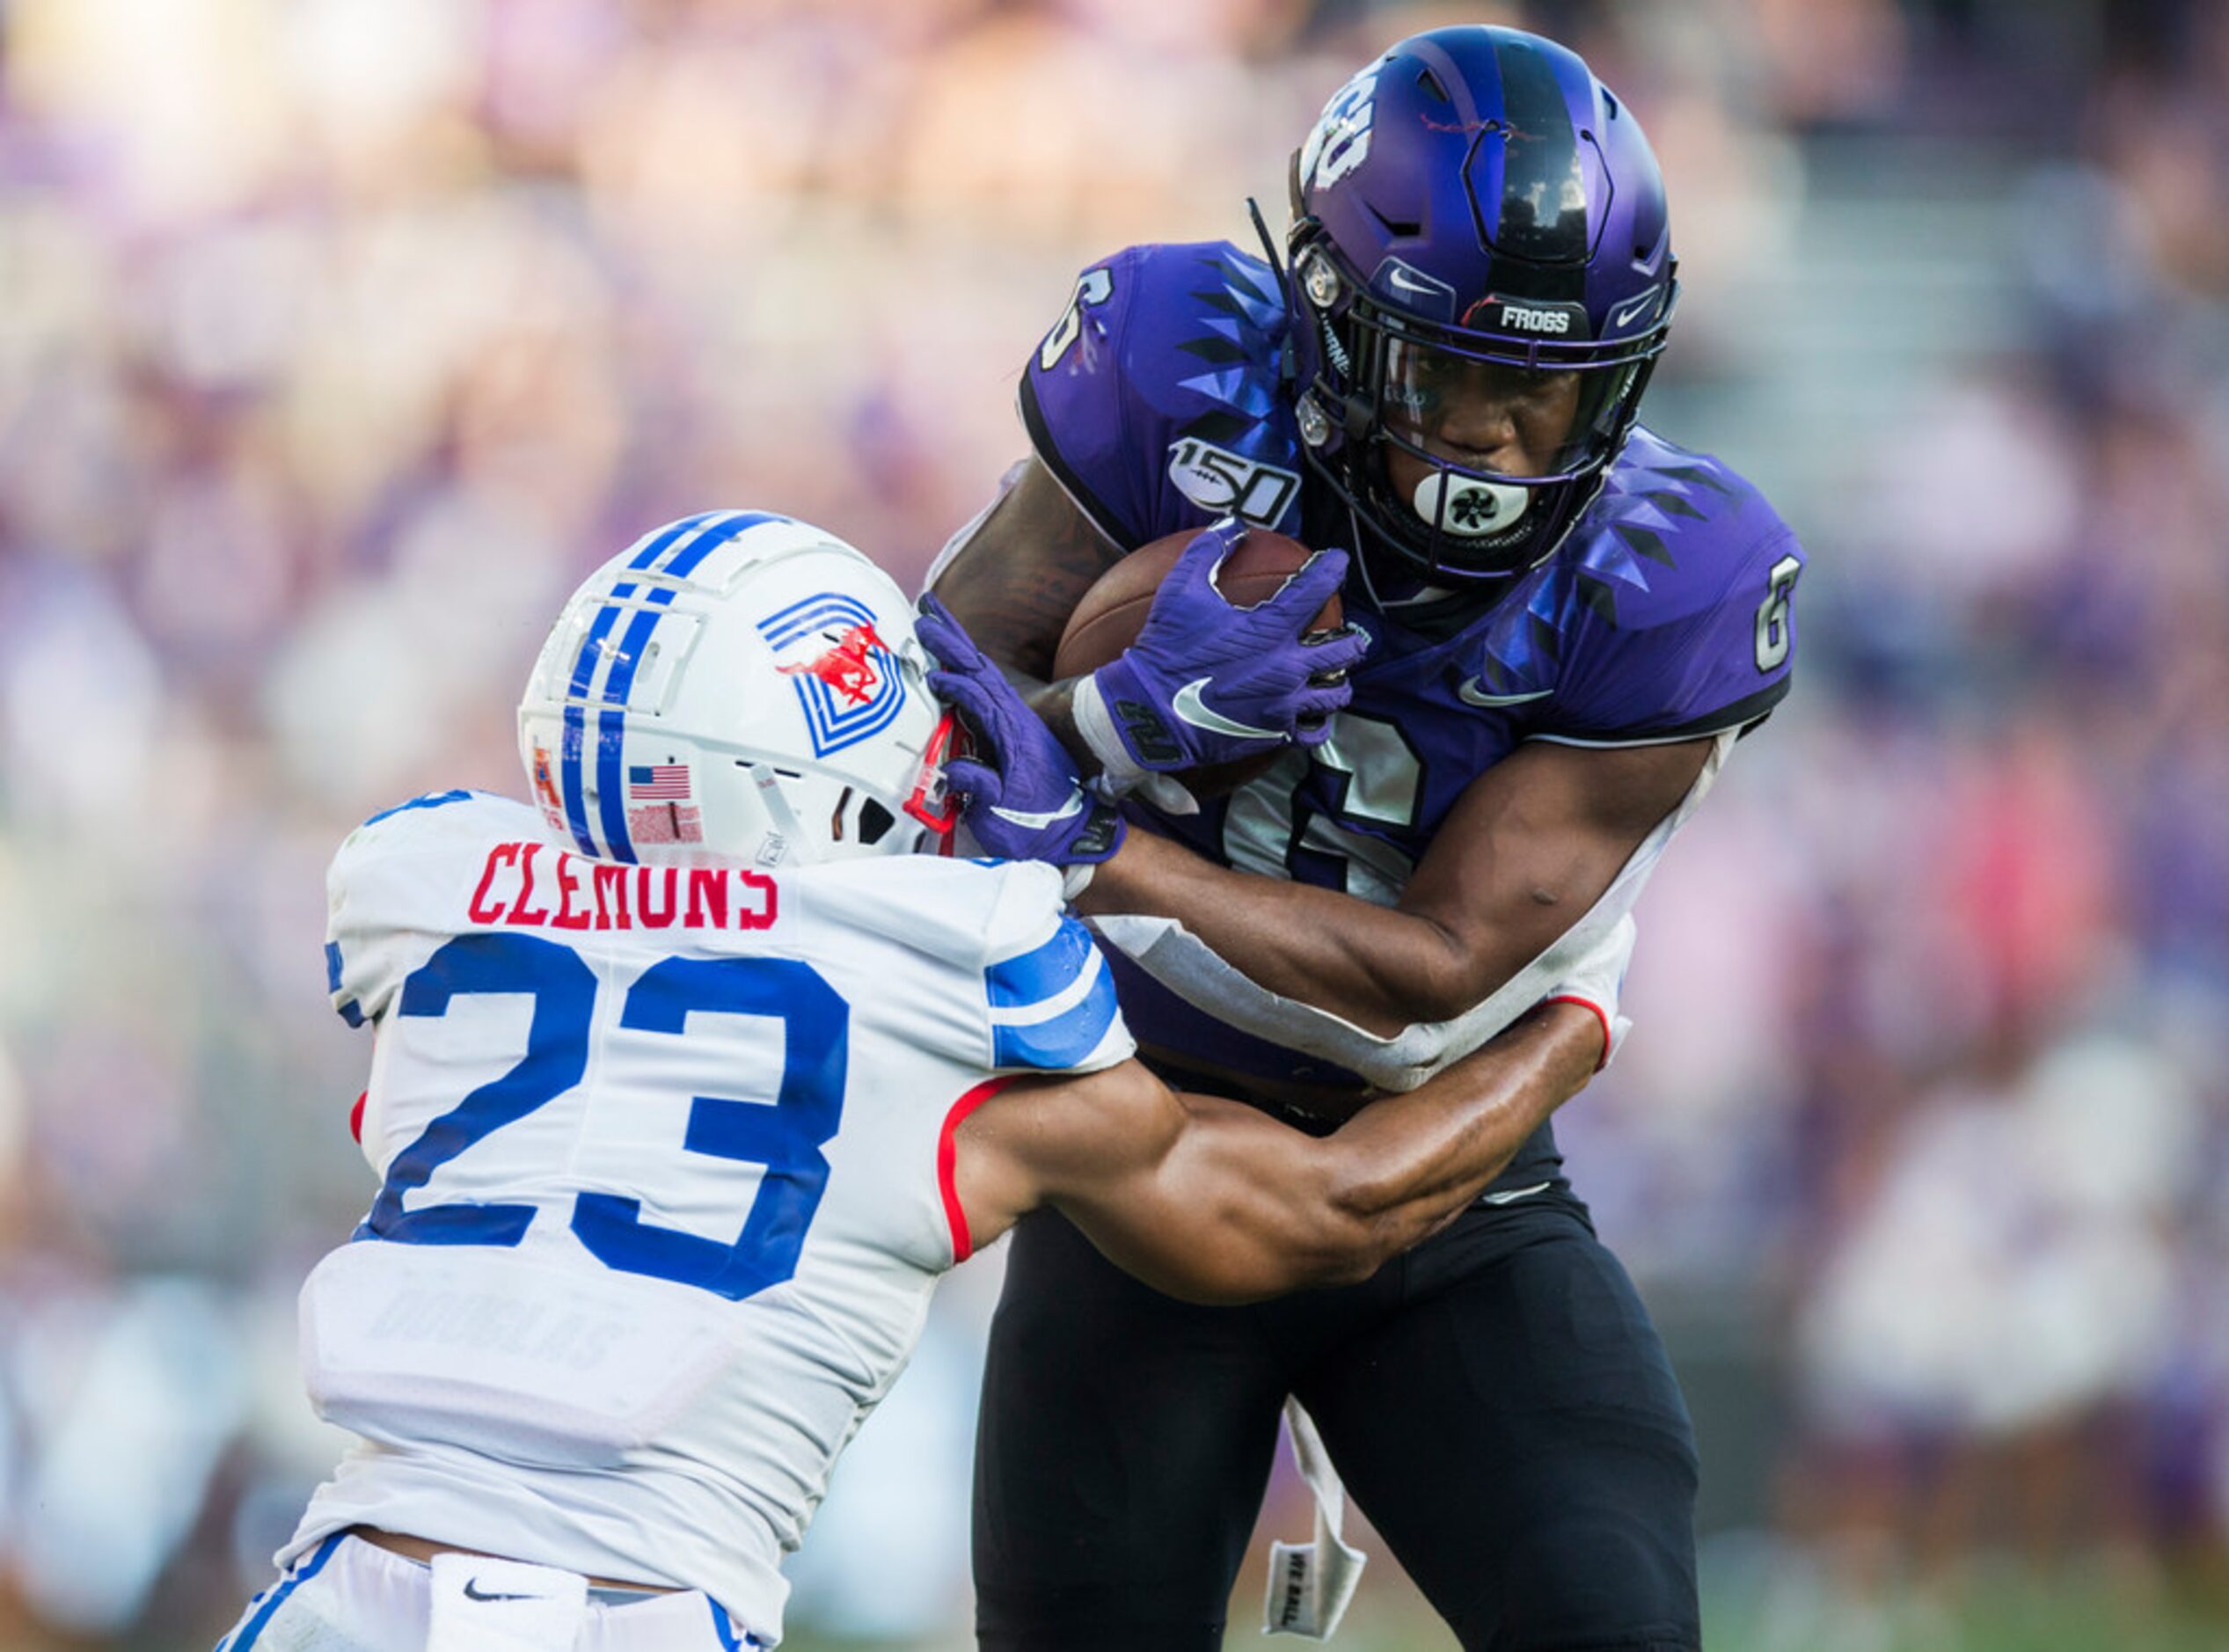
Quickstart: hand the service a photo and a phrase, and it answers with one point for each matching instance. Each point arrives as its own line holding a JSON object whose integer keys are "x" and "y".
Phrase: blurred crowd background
{"x": 339, "y": 338}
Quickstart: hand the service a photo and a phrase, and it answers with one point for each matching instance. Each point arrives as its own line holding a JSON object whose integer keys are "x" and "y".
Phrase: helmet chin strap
{"x": 797, "y": 846}
{"x": 1358, "y": 564}
{"x": 1462, "y": 507}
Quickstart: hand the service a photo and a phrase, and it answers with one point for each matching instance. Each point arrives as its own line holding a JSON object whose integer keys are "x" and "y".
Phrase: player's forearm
{"x": 1382, "y": 969}
{"x": 1019, "y": 578}
{"x": 1304, "y": 1214}
{"x": 1227, "y": 1205}
{"x": 1408, "y": 1163}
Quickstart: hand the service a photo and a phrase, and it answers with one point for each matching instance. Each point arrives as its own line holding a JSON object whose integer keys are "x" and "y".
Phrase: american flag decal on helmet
{"x": 847, "y": 681}
{"x": 659, "y": 782}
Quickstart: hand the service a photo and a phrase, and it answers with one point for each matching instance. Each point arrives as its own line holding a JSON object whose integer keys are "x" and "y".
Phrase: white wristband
{"x": 1119, "y": 773}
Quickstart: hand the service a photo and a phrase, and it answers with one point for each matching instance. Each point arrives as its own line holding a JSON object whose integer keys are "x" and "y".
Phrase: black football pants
{"x": 1497, "y": 1403}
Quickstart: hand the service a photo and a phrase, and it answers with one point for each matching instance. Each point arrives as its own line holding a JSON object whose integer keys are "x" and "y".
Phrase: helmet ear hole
{"x": 859, "y": 819}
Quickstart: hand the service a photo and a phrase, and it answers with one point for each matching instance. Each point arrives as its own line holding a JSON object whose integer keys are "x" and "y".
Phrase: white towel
{"x": 1310, "y": 1583}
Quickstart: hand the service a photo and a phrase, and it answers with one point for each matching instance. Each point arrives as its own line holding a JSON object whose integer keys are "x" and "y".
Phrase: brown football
{"x": 1113, "y": 612}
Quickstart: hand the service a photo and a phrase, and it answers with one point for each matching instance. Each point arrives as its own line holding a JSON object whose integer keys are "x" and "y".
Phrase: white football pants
{"x": 349, "y": 1596}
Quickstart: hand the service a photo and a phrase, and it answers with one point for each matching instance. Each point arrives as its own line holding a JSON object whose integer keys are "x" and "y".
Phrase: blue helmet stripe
{"x": 697, "y": 536}
{"x": 663, "y": 541}
{"x": 584, "y": 663}
{"x": 612, "y": 803}
{"x": 576, "y": 801}
{"x": 612, "y": 725}
{"x": 619, "y": 682}
{"x": 685, "y": 559}
{"x": 575, "y": 736}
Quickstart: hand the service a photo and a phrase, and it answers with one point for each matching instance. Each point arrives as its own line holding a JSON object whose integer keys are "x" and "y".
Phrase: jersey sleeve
{"x": 1699, "y": 664}
{"x": 1074, "y": 399}
{"x": 1001, "y": 979}
{"x": 1155, "y": 401}
{"x": 1050, "y": 995}
{"x": 391, "y": 884}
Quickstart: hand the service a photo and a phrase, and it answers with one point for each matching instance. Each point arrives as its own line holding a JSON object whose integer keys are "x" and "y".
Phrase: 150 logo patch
{"x": 1224, "y": 483}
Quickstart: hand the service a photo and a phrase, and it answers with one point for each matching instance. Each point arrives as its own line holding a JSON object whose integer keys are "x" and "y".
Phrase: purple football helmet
{"x": 1477, "y": 220}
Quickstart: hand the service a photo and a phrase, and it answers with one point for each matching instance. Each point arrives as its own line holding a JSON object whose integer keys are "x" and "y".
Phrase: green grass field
{"x": 1752, "y": 1606}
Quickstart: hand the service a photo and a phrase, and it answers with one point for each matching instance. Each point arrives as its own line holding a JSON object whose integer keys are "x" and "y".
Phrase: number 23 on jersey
{"x": 783, "y": 1141}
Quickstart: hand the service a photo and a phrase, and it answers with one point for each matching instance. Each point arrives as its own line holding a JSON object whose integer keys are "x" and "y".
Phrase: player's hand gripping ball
{"x": 1205, "y": 655}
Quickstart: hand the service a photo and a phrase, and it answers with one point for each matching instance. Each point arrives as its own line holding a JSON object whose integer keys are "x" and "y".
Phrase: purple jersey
{"x": 1664, "y": 615}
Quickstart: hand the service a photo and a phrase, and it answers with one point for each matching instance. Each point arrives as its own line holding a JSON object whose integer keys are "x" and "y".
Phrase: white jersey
{"x": 667, "y": 1179}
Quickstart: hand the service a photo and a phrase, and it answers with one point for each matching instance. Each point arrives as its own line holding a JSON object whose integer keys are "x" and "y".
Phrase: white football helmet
{"x": 737, "y": 687}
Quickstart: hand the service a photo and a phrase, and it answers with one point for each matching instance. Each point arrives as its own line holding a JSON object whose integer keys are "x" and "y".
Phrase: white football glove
{"x": 1596, "y": 978}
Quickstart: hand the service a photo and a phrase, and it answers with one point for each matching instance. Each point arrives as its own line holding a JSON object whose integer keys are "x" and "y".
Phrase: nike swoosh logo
{"x": 1627, "y": 312}
{"x": 1470, "y": 694}
{"x": 1029, "y": 821}
{"x": 1399, "y": 277}
{"x": 1513, "y": 1194}
{"x": 1191, "y": 708}
{"x": 473, "y": 1591}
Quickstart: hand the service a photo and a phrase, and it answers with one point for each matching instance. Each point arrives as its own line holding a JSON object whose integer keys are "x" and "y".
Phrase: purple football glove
{"x": 1024, "y": 801}
{"x": 1207, "y": 682}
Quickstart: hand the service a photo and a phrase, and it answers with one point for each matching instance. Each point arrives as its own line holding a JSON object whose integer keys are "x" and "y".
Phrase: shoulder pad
{"x": 1668, "y": 536}
{"x": 390, "y": 881}
{"x": 1677, "y": 620}
{"x": 1156, "y": 399}
{"x": 1044, "y": 999}
{"x": 1051, "y": 995}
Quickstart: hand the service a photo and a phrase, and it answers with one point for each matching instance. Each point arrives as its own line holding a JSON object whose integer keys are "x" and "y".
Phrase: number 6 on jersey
{"x": 1773, "y": 634}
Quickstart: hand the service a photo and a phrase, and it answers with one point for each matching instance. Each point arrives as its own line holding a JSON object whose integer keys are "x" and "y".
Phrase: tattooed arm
{"x": 1017, "y": 579}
